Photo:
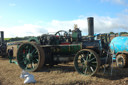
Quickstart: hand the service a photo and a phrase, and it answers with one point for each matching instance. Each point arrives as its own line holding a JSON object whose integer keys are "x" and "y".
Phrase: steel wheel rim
{"x": 28, "y": 57}
{"x": 86, "y": 62}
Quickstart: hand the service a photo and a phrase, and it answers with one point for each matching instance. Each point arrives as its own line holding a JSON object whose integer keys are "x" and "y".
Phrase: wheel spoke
{"x": 94, "y": 66}
{"x": 94, "y": 62}
{"x": 91, "y": 69}
{"x": 37, "y": 60}
{"x": 33, "y": 51}
{"x": 86, "y": 70}
{"x": 92, "y": 59}
{"x": 27, "y": 66}
{"x": 83, "y": 59}
{"x": 32, "y": 65}
{"x": 87, "y": 58}
{"x": 90, "y": 55}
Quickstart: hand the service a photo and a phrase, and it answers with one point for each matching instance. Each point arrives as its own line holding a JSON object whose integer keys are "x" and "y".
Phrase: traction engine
{"x": 87, "y": 52}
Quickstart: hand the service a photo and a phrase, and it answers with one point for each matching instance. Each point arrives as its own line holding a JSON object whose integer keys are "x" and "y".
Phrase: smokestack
{"x": 2, "y": 36}
{"x": 90, "y": 27}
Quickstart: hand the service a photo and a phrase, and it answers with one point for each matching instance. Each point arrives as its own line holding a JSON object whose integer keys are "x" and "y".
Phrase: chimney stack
{"x": 2, "y": 36}
{"x": 90, "y": 27}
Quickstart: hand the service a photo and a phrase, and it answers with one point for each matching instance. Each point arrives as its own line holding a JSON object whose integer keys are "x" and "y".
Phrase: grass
{"x": 7, "y": 38}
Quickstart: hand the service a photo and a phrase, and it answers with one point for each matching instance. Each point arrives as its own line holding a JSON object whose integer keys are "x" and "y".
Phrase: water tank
{"x": 119, "y": 44}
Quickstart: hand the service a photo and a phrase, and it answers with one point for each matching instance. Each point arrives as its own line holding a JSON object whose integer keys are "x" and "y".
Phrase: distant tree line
{"x": 120, "y": 32}
{"x": 27, "y": 37}
{"x": 18, "y": 38}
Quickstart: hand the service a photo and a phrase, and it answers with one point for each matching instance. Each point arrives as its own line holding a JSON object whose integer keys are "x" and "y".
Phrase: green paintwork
{"x": 34, "y": 39}
{"x": 27, "y": 57}
{"x": 74, "y": 35}
{"x": 70, "y": 48}
{"x": 67, "y": 49}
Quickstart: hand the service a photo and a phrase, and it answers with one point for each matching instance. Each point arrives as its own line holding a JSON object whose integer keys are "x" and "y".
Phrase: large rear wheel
{"x": 87, "y": 62}
{"x": 30, "y": 56}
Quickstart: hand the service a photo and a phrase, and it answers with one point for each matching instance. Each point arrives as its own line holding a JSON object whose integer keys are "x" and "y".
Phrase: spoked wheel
{"x": 30, "y": 57}
{"x": 61, "y": 33}
{"x": 87, "y": 62}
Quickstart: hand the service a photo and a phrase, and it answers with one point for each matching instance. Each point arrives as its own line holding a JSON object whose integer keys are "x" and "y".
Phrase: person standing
{"x": 10, "y": 54}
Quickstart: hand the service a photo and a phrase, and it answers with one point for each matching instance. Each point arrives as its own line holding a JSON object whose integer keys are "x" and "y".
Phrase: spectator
{"x": 10, "y": 54}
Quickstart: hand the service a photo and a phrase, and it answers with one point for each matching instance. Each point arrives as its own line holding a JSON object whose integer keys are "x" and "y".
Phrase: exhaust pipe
{"x": 2, "y": 37}
{"x": 90, "y": 27}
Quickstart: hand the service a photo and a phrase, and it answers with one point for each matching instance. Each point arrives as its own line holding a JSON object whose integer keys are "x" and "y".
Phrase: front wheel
{"x": 87, "y": 62}
{"x": 30, "y": 57}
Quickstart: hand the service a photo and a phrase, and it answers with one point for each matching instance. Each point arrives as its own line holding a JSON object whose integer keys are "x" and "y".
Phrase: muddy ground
{"x": 63, "y": 74}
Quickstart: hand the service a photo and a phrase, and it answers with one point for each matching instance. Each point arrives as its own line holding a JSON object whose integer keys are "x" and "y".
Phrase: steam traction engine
{"x": 88, "y": 53}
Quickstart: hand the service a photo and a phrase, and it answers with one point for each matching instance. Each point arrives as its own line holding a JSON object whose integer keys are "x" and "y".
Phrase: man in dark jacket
{"x": 10, "y": 54}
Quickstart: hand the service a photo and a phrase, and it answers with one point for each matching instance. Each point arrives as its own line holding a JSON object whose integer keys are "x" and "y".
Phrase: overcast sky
{"x": 20, "y": 18}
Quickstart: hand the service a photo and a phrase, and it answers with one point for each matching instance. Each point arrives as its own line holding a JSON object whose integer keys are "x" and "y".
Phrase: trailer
{"x": 119, "y": 48}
